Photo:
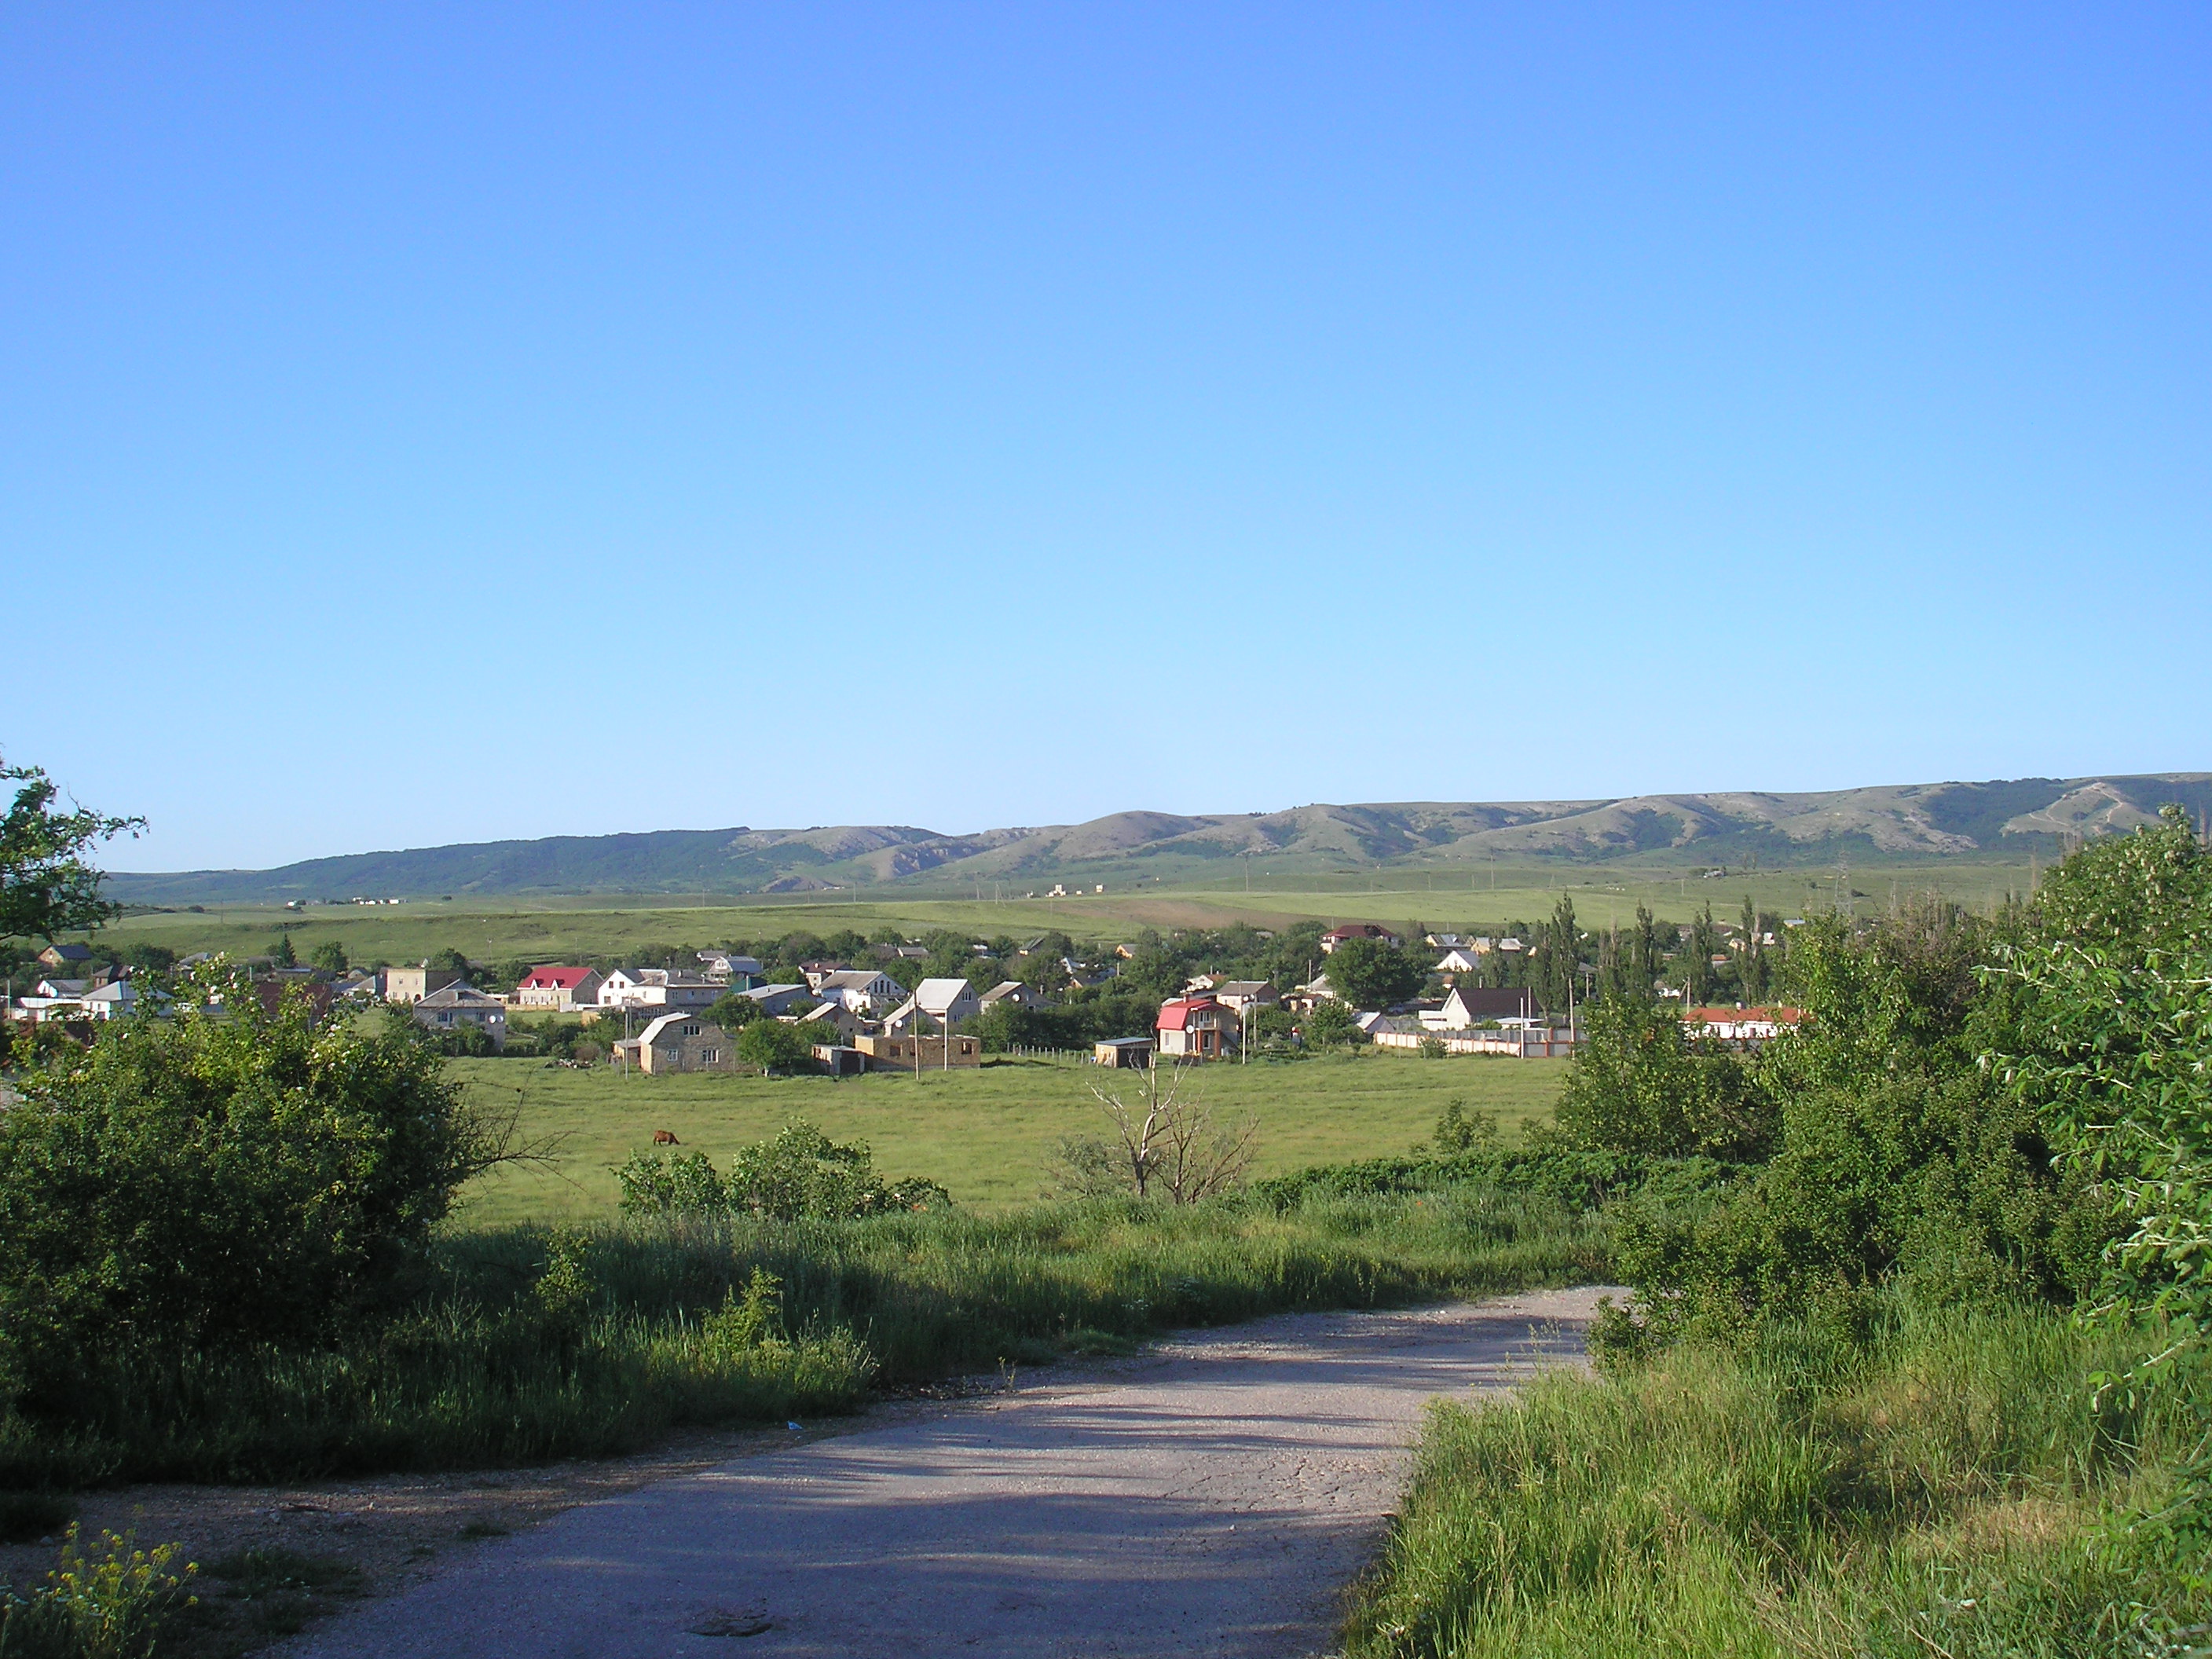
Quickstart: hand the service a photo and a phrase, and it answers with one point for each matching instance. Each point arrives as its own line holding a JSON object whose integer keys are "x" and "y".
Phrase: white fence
{"x": 1520, "y": 1042}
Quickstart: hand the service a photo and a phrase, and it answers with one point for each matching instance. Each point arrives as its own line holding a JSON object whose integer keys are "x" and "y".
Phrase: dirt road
{"x": 1213, "y": 1496}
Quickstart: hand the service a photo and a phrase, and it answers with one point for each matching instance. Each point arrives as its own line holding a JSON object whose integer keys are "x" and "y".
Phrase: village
{"x": 1439, "y": 994}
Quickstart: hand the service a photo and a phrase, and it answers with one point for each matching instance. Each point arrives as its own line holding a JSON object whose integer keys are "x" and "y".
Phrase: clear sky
{"x": 436, "y": 422}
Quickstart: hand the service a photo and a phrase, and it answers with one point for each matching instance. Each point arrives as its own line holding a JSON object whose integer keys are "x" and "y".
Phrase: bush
{"x": 775, "y": 1047}
{"x": 801, "y": 1174}
{"x": 109, "y": 1606}
{"x": 219, "y": 1180}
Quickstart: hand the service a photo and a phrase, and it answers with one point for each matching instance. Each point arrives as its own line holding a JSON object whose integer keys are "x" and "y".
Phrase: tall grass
{"x": 1942, "y": 1490}
{"x": 531, "y": 1345}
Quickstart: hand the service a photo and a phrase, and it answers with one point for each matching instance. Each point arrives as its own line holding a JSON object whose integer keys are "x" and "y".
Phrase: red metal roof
{"x": 1359, "y": 930}
{"x": 1174, "y": 1016}
{"x": 554, "y": 979}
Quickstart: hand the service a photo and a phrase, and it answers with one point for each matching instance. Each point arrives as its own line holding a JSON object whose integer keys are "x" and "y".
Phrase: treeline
{"x": 1924, "y": 1370}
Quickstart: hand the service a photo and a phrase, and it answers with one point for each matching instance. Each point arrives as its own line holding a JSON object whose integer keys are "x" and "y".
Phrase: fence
{"x": 1524, "y": 1042}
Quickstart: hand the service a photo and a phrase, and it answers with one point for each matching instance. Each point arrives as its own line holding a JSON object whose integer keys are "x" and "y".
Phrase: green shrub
{"x": 800, "y": 1173}
{"x": 216, "y": 1181}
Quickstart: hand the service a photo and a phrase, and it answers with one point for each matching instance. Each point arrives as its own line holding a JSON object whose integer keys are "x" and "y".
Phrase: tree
{"x": 283, "y": 955}
{"x": 46, "y": 887}
{"x": 1169, "y": 1146}
{"x": 450, "y": 961}
{"x": 1637, "y": 1085}
{"x": 1369, "y": 974}
{"x": 222, "y": 1178}
{"x": 330, "y": 956}
{"x": 736, "y": 1011}
{"x": 773, "y": 1046}
{"x": 1330, "y": 1026}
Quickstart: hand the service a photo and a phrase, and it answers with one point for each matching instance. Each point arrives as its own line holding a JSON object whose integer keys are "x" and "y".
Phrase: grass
{"x": 551, "y": 928}
{"x": 1940, "y": 1493}
{"x": 490, "y": 1369}
{"x": 985, "y": 1134}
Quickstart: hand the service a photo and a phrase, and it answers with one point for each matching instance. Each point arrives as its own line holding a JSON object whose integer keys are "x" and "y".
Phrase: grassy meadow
{"x": 550, "y": 929}
{"x": 984, "y": 1133}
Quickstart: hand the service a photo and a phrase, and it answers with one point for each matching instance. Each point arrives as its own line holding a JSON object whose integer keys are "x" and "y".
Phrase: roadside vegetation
{"x": 1927, "y": 1375}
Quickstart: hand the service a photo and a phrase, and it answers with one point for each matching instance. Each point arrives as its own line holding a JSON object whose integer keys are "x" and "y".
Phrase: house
{"x": 1197, "y": 1028}
{"x": 1740, "y": 1027}
{"x": 1012, "y": 994}
{"x": 833, "y": 1022}
{"x": 1201, "y": 984}
{"x": 739, "y": 973}
{"x": 405, "y": 985}
{"x": 946, "y": 1002}
{"x": 1301, "y": 998}
{"x": 1353, "y": 930}
{"x": 1122, "y": 1053}
{"x": 73, "y": 999}
{"x": 776, "y": 998}
{"x": 298, "y": 983}
{"x": 897, "y": 1051}
{"x": 815, "y": 972}
{"x": 563, "y": 988}
{"x": 862, "y": 990}
{"x": 1246, "y": 993}
{"x": 1460, "y": 959}
{"x": 64, "y": 956}
{"x": 450, "y": 1005}
{"x": 1468, "y": 1004}
{"x": 684, "y": 1042}
{"x": 1370, "y": 1023}
{"x": 1447, "y": 941}
{"x": 659, "y": 988}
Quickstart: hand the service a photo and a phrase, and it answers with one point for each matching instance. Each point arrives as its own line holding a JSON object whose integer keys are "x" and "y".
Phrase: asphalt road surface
{"x": 1214, "y": 1495}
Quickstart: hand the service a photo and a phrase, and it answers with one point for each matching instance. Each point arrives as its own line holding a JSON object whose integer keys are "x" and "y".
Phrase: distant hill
{"x": 1888, "y": 825}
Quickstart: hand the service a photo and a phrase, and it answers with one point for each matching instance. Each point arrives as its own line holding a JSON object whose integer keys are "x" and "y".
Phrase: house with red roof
{"x": 563, "y": 988}
{"x": 1739, "y": 1027}
{"x": 1197, "y": 1028}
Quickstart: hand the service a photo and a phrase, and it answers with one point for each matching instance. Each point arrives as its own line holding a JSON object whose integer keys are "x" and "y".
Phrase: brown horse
{"x": 665, "y": 1137}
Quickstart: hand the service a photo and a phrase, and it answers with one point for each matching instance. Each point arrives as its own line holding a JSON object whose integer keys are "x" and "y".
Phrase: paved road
{"x": 1213, "y": 1496}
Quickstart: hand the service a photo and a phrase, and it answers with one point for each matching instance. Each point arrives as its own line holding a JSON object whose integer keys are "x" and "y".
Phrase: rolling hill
{"x": 1892, "y": 823}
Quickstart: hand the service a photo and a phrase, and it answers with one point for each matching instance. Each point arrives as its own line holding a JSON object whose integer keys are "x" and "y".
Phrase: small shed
{"x": 1132, "y": 1054}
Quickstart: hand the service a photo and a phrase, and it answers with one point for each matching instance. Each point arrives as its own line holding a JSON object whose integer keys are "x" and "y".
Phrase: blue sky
{"x": 422, "y": 423}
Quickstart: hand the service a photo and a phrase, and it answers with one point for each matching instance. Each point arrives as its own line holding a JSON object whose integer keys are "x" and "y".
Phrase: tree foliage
{"x": 799, "y": 1174}
{"x": 46, "y": 887}
{"x": 1368, "y": 974}
{"x": 225, "y": 1176}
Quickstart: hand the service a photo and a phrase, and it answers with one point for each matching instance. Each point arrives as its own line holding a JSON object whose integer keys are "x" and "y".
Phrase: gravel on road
{"x": 1214, "y": 1495}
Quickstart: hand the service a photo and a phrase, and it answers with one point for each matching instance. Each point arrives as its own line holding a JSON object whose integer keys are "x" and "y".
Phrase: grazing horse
{"x": 665, "y": 1137}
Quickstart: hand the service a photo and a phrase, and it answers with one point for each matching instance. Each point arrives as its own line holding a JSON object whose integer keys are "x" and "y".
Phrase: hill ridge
{"x": 1894, "y": 822}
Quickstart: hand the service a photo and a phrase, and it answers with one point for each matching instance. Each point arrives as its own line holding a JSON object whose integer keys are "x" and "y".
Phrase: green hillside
{"x": 1890, "y": 825}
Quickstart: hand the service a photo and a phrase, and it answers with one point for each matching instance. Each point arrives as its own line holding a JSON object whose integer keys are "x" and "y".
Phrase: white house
{"x": 1013, "y": 993}
{"x": 552, "y": 986}
{"x": 739, "y": 973}
{"x": 946, "y": 1001}
{"x": 860, "y": 990}
{"x": 657, "y": 988}
{"x": 1460, "y": 959}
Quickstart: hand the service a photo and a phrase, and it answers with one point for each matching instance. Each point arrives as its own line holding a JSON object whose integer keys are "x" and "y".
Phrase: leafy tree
{"x": 1369, "y": 974}
{"x": 47, "y": 887}
{"x": 223, "y": 1179}
{"x": 282, "y": 953}
{"x": 736, "y": 1011}
{"x": 450, "y": 961}
{"x": 775, "y": 1047}
{"x": 330, "y": 956}
{"x": 1330, "y": 1026}
{"x": 1637, "y": 1085}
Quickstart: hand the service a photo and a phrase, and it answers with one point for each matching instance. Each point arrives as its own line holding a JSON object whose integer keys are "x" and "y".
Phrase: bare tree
{"x": 1172, "y": 1143}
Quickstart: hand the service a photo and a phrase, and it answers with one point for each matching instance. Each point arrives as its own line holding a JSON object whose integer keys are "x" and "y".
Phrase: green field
{"x": 552, "y": 929}
{"x": 985, "y": 1134}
